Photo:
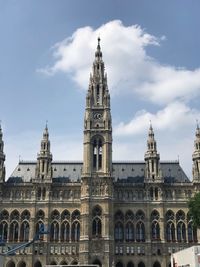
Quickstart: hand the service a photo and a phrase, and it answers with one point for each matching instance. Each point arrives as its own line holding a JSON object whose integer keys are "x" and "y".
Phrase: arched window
{"x": 39, "y": 225}
{"x": 155, "y": 230}
{"x": 4, "y": 215}
{"x": 65, "y": 231}
{"x": 65, "y": 215}
{"x": 129, "y": 232}
{"x": 96, "y": 227}
{"x": 140, "y": 232}
{"x": 156, "y": 264}
{"x": 75, "y": 231}
{"x": 38, "y": 264}
{"x": 96, "y": 222}
{"x": 10, "y": 264}
{"x": 192, "y": 233}
{"x": 4, "y": 230}
{"x": 25, "y": 215}
{"x": 130, "y": 264}
{"x": 55, "y": 215}
{"x": 181, "y": 233}
{"x": 21, "y": 264}
{"x": 54, "y": 231}
{"x": 97, "y": 153}
{"x": 170, "y": 232}
{"x": 119, "y": 264}
{"x": 169, "y": 215}
{"x": 14, "y": 215}
{"x": 40, "y": 215}
{"x": 119, "y": 216}
{"x": 140, "y": 215}
{"x": 180, "y": 215}
{"x": 14, "y": 231}
{"x": 24, "y": 232}
{"x": 119, "y": 232}
{"x": 141, "y": 264}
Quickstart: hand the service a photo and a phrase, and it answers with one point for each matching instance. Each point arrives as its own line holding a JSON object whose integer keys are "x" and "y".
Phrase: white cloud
{"x": 129, "y": 66}
{"x": 176, "y": 116}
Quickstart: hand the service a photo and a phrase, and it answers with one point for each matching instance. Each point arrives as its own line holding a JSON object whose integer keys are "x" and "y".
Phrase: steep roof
{"x": 64, "y": 172}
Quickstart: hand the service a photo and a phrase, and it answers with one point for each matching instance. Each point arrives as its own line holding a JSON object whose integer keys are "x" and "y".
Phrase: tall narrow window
{"x": 100, "y": 155}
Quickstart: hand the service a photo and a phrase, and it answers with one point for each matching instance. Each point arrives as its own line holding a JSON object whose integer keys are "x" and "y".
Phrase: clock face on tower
{"x": 97, "y": 116}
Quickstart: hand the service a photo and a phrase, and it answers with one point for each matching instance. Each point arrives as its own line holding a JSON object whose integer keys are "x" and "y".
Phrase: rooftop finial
{"x": 197, "y": 124}
{"x": 99, "y": 39}
{"x": 46, "y": 127}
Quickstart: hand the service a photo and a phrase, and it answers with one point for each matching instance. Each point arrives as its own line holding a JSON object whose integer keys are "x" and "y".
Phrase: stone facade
{"x": 123, "y": 214}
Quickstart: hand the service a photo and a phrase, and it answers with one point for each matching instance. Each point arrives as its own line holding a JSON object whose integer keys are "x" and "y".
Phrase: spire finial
{"x": 99, "y": 39}
{"x": 197, "y": 124}
{"x": 46, "y": 127}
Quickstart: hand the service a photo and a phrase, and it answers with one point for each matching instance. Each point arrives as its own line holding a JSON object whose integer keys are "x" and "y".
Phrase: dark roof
{"x": 131, "y": 172}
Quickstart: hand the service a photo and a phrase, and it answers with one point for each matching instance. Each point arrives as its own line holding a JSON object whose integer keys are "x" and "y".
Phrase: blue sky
{"x": 151, "y": 54}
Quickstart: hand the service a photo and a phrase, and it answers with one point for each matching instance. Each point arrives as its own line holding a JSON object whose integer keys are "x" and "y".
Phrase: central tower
{"x": 97, "y": 184}
{"x": 97, "y": 122}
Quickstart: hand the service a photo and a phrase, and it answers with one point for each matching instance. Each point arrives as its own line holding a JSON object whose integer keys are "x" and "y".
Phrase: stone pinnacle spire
{"x": 196, "y": 156}
{"x": 152, "y": 158}
{"x": 2, "y": 157}
{"x": 44, "y": 158}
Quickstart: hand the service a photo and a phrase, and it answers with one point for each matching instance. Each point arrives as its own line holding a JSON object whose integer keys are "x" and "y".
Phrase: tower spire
{"x": 152, "y": 158}
{"x": 196, "y": 155}
{"x": 44, "y": 158}
{"x": 2, "y": 157}
{"x": 97, "y": 119}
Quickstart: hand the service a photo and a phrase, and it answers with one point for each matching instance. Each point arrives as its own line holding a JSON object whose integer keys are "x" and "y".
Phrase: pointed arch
{"x": 4, "y": 230}
{"x": 140, "y": 232}
{"x": 129, "y": 230}
{"x": 24, "y": 231}
{"x": 14, "y": 231}
{"x": 76, "y": 215}
{"x": 141, "y": 264}
{"x": 130, "y": 264}
{"x": 97, "y": 154}
{"x": 155, "y": 230}
{"x": 54, "y": 231}
{"x": 4, "y": 215}
{"x": 170, "y": 232}
{"x": 55, "y": 215}
{"x": 10, "y": 264}
{"x": 40, "y": 215}
{"x": 75, "y": 235}
{"x": 119, "y": 264}
{"x": 25, "y": 215}
{"x": 14, "y": 215}
{"x": 156, "y": 264}
{"x": 65, "y": 215}
{"x": 65, "y": 231}
{"x": 37, "y": 264}
{"x": 39, "y": 225}
{"x": 21, "y": 264}
{"x": 181, "y": 232}
{"x": 119, "y": 231}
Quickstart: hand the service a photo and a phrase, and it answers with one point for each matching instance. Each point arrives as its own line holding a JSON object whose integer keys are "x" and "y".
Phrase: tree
{"x": 194, "y": 209}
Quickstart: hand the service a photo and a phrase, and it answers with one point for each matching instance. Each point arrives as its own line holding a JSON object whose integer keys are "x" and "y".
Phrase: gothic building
{"x": 115, "y": 214}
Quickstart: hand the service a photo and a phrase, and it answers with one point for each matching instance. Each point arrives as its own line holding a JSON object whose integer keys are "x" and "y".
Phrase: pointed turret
{"x": 44, "y": 159}
{"x": 196, "y": 156}
{"x": 152, "y": 158}
{"x": 97, "y": 121}
{"x": 2, "y": 157}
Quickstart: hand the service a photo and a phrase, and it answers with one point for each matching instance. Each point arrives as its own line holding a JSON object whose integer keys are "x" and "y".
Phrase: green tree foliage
{"x": 194, "y": 209}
